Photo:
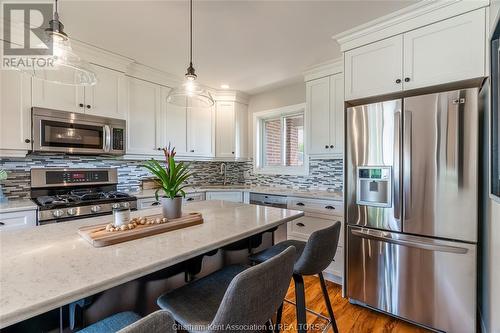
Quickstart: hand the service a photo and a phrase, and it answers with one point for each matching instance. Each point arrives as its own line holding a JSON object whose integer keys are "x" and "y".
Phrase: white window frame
{"x": 259, "y": 166}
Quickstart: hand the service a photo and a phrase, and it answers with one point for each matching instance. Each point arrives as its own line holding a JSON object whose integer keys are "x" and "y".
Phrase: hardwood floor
{"x": 350, "y": 318}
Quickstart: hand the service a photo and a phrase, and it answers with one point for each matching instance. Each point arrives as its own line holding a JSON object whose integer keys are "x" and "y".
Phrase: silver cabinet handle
{"x": 107, "y": 138}
{"x": 379, "y": 236}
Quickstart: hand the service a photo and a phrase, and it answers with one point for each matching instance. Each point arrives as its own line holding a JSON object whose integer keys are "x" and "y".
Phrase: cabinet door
{"x": 447, "y": 51}
{"x": 241, "y": 131}
{"x": 337, "y": 114}
{"x": 58, "y": 96}
{"x": 225, "y": 130}
{"x": 144, "y": 114}
{"x": 106, "y": 97}
{"x": 225, "y": 196}
{"x": 318, "y": 115}
{"x": 15, "y": 112}
{"x": 374, "y": 69}
{"x": 200, "y": 131}
{"x": 176, "y": 132}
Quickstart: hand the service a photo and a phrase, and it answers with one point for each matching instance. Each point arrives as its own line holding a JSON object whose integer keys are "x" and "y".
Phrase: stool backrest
{"x": 255, "y": 294}
{"x": 319, "y": 251}
{"x": 160, "y": 321}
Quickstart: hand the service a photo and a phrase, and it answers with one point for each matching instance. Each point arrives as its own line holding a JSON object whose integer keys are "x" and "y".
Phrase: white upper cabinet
{"x": 144, "y": 118}
{"x": 231, "y": 130}
{"x": 58, "y": 96}
{"x": 15, "y": 113}
{"x": 200, "y": 131}
{"x": 318, "y": 115}
{"x": 324, "y": 115}
{"x": 225, "y": 128}
{"x": 107, "y": 97}
{"x": 447, "y": 51}
{"x": 374, "y": 69}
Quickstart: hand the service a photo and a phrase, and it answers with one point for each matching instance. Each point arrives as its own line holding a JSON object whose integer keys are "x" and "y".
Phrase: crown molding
{"x": 406, "y": 19}
{"x": 323, "y": 69}
{"x": 230, "y": 96}
{"x": 101, "y": 57}
{"x": 154, "y": 75}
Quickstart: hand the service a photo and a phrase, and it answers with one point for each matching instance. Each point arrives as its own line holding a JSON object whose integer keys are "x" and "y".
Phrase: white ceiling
{"x": 249, "y": 45}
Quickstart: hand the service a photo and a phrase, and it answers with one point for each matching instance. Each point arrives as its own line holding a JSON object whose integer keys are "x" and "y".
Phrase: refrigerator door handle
{"x": 397, "y": 165}
{"x": 384, "y": 237}
{"x": 407, "y": 161}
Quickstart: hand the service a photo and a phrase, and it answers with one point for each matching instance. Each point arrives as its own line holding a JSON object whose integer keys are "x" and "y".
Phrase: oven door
{"x": 69, "y": 133}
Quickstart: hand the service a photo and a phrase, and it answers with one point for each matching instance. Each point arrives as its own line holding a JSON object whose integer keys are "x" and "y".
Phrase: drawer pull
{"x": 1, "y": 224}
{"x": 300, "y": 224}
{"x": 300, "y": 204}
{"x": 189, "y": 199}
{"x": 329, "y": 207}
{"x": 156, "y": 203}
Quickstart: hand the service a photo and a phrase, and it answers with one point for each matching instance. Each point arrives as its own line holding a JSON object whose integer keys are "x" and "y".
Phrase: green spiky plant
{"x": 172, "y": 177}
{"x": 3, "y": 175}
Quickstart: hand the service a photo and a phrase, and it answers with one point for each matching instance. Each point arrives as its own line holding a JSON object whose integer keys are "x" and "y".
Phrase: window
{"x": 280, "y": 141}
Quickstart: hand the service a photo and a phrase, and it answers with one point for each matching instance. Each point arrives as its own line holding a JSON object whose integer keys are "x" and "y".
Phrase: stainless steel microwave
{"x": 77, "y": 133}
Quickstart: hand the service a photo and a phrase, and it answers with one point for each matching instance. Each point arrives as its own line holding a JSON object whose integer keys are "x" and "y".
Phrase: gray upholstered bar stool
{"x": 313, "y": 257}
{"x": 235, "y": 296}
{"x": 128, "y": 322}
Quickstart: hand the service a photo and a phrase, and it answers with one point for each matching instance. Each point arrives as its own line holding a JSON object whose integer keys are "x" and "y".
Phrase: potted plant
{"x": 3, "y": 176}
{"x": 171, "y": 179}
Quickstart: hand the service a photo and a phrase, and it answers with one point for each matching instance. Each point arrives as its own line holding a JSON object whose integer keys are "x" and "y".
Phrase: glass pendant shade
{"x": 190, "y": 95}
{"x": 68, "y": 68}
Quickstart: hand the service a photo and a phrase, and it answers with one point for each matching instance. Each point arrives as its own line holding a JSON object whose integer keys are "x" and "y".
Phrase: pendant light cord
{"x": 190, "y": 32}
{"x": 56, "y": 13}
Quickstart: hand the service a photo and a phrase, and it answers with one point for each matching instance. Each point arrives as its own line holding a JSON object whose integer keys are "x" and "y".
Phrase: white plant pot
{"x": 171, "y": 208}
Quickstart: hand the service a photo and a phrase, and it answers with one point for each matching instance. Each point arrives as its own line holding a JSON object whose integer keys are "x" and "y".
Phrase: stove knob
{"x": 125, "y": 205}
{"x": 58, "y": 213}
{"x": 71, "y": 211}
{"x": 95, "y": 209}
{"x": 115, "y": 205}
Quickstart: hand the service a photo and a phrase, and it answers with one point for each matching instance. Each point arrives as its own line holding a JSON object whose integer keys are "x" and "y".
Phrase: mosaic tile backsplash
{"x": 323, "y": 174}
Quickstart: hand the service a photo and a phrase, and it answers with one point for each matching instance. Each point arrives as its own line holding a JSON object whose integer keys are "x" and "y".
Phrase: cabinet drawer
{"x": 16, "y": 220}
{"x": 337, "y": 266}
{"x": 304, "y": 226}
{"x": 233, "y": 196}
{"x": 327, "y": 207}
{"x": 147, "y": 203}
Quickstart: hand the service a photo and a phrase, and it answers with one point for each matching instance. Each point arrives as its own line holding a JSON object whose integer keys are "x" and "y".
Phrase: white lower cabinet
{"x": 17, "y": 220}
{"x": 145, "y": 203}
{"x": 319, "y": 214}
{"x": 234, "y": 196}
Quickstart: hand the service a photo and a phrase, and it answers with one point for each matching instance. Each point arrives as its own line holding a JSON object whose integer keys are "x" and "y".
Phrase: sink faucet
{"x": 223, "y": 168}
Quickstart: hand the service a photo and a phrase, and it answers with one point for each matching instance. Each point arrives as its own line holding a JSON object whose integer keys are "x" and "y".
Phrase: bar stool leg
{"x": 279, "y": 314}
{"x": 300, "y": 298}
{"x": 327, "y": 301}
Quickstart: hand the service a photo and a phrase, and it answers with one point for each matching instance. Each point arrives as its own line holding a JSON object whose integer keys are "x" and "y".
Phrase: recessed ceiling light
{"x": 224, "y": 86}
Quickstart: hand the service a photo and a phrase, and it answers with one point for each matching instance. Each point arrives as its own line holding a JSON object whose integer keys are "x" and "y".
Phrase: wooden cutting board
{"x": 99, "y": 237}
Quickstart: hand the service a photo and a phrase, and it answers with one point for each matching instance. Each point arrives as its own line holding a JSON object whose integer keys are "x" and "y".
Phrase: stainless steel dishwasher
{"x": 272, "y": 200}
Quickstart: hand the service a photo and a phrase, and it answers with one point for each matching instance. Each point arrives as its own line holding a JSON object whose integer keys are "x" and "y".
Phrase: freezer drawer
{"x": 427, "y": 281}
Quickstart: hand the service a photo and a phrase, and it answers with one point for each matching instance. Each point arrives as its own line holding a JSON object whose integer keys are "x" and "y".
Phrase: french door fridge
{"x": 411, "y": 208}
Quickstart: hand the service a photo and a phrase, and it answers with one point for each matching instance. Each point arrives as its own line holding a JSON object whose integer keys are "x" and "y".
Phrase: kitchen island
{"x": 45, "y": 267}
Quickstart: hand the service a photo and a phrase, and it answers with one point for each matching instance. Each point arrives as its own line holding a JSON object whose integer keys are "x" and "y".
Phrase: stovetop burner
{"x": 80, "y": 197}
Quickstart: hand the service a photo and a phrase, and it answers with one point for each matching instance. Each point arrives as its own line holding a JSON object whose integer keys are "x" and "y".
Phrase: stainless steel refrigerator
{"x": 411, "y": 208}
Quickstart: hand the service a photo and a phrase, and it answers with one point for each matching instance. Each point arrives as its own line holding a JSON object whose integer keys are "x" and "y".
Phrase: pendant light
{"x": 190, "y": 94}
{"x": 68, "y": 68}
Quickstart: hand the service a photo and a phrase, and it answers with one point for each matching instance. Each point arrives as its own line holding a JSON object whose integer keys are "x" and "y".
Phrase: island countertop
{"x": 44, "y": 267}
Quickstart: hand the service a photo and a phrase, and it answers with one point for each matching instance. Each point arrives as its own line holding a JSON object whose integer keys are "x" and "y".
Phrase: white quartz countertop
{"x": 44, "y": 267}
{"x": 17, "y": 205}
{"x": 315, "y": 194}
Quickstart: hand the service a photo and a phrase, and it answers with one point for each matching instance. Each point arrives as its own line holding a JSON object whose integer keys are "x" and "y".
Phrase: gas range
{"x": 68, "y": 194}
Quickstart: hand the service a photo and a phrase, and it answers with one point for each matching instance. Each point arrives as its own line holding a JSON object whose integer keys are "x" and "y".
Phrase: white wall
{"x": 287, "y": 95}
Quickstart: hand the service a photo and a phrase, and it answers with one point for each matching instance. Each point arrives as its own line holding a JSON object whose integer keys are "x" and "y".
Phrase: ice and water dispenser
{"x": 374, "y": 186}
